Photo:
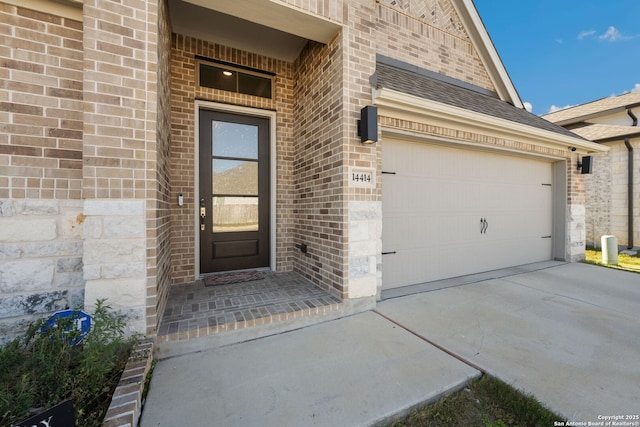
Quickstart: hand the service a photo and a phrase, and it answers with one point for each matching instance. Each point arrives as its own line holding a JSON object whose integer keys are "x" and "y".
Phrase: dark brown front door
{"x": 234, "y": 192}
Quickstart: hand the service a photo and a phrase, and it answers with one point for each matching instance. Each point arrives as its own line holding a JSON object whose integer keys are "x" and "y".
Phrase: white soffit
{"x": 278, "y": 15}
{"x": 210, "y": 25}
{"x": 396, "y": 104}
{"x": 71, "y": 9}
{"x": 487, "y": 51}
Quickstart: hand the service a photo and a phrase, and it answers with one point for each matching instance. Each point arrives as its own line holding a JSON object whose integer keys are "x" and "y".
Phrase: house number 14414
{"x": 361, "y": 177}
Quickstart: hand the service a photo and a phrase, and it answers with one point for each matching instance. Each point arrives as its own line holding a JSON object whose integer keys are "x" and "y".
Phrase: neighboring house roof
{"x": 401, "y": 77}
{"x": 596, "y": 108}
{"x": 598, "y": 132}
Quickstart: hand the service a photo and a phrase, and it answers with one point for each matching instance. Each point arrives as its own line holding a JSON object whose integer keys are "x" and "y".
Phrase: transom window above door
{"x": 223, "y": 76}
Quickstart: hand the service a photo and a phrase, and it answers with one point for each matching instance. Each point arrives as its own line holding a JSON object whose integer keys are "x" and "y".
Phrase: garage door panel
{"x": 434, "y": 202}
{"x": 411, "y": 231}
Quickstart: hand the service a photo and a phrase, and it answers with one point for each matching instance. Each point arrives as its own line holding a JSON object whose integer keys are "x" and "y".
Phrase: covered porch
{"x": 199, "y": 317}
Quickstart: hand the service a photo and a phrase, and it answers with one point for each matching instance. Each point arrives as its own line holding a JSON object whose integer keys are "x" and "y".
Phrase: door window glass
{"x": 234, "y": 140}
{"x": 235, "y": 177}
{"x": 235, "y": 214}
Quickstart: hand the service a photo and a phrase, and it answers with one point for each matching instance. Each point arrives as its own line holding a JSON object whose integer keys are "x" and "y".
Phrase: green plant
{"x": 43, "y": 368}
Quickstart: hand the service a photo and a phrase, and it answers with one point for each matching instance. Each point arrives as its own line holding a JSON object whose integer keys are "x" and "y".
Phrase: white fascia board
{"x": 400, "y": 105}
{"x": 486, "y": 50}
{"x": 588, "y": 116}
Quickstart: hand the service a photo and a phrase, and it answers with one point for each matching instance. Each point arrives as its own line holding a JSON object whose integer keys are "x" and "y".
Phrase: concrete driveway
{"x": 569, "y": 334}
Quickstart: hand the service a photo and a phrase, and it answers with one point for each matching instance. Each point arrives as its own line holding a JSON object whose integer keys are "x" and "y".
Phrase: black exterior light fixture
{"x": 586, "y": 165}
{"x": 368, "y": 125}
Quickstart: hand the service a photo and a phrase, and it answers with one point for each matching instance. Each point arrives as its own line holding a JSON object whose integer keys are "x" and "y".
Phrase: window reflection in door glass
{"x": 235, "y": 214}
{"x": 234, "y": 140}
{"x": 235, "y": 177}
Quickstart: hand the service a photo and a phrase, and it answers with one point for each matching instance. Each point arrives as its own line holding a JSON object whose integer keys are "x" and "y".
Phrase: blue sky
{"x": 566, "y": 52}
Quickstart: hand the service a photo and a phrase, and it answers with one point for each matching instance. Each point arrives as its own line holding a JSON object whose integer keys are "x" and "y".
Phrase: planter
{"x": 126, "y": 403}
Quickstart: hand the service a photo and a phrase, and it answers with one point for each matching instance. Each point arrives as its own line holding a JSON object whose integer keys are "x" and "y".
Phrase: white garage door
{"x": 449, "y": 212}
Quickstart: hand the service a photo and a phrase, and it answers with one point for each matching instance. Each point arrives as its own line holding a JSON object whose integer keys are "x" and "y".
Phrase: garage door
{"x": 449, "y": 212}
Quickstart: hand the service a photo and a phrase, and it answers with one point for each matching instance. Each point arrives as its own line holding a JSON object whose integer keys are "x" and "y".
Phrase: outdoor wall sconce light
{"x": 368, "y": 125}
{"x": 586, "y": 165}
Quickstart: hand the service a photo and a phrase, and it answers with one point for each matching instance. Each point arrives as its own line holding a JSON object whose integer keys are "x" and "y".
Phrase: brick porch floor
{"x": 194, "y": 310}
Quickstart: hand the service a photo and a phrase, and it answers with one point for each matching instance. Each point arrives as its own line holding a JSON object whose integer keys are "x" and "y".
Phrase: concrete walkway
{"x": 568, "y": 334}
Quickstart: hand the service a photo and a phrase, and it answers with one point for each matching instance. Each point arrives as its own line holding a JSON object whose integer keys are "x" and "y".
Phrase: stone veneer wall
{"x": 40, "y": 166}
{"x": 184, "y": 148}
{"x": 607, "y": 197}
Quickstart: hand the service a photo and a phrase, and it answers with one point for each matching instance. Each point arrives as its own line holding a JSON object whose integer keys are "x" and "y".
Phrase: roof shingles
{"x": 446, "y": 91}
{"x": 574, "y": 114}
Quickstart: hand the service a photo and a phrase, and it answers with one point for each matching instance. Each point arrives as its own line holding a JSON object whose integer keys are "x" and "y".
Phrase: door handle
{"x": 203, "y": 214}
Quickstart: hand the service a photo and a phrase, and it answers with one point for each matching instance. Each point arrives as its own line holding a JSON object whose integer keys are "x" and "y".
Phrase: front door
{"x": 234, "y": 192}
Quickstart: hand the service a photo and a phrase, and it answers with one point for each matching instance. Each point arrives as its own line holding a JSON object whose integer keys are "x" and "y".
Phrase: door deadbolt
{"x": 203, "y": 214}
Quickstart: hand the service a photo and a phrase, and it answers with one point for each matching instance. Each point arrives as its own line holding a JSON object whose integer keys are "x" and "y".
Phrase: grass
{"x": 484, "y": 402}
{"x": 625, "y": 262}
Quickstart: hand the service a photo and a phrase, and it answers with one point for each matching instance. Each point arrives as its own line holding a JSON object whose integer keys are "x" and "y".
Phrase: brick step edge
{"x": 126, "y": 402}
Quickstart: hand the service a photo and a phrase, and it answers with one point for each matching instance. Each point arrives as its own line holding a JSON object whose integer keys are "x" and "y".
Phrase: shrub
{"x": 43, "y": 368}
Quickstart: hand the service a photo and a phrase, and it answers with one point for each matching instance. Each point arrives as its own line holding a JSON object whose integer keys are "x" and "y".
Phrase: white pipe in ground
{"x": 609, "y": 249}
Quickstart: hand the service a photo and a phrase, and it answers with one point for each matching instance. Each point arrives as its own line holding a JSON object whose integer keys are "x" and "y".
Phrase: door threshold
{"x": 245, "y": 270}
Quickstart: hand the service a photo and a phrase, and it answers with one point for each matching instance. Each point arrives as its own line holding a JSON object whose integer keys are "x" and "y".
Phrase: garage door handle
{"x": 484, "y": 224}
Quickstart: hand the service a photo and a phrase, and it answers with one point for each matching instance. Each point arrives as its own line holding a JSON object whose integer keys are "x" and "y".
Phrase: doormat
{"x": 230, "y": 278}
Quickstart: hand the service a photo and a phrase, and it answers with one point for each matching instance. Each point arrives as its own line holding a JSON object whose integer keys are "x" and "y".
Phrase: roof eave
{"x": 486, "y": 50}
{"x": 617, "y": 138}
{"x": 397, "y": 103}
{"x": 589, "y": 116}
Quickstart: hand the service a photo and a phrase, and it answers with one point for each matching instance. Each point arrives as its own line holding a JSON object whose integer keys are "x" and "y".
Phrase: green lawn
{"x": 485, "y": 402}
{"x": 625, "y": 262}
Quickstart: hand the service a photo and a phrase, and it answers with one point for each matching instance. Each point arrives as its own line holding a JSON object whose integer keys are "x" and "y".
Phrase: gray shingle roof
{"x": 428, "y": 85}
{"x": 597, "y": 132}
{"x": 577, "y": 113}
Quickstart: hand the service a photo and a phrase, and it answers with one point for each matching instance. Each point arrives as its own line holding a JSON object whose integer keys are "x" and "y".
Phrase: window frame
{"x": 237, "y": 70}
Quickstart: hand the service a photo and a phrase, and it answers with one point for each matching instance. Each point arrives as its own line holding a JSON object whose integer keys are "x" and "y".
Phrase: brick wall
{"x": 104, "y": 110}
{"x": 607, "y": 197}
{"x": 41, "y": 216}
{"x": 339, "y": 223}
{"x": 40, "y": 105}
{"x": 159, "y": 258}
{"x": 183, "y": 145}
{"x": 429, "y": 34}
{"x": 320, "y": 203}
{"x": 122, "y": 182}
